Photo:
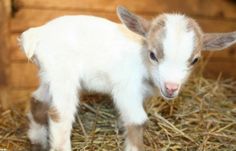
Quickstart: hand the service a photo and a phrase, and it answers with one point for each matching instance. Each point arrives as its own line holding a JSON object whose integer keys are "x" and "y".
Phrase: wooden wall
{"x": 213, "y": 16}
{"x": 4, "y": 38}
{"x": 5, "y": 10}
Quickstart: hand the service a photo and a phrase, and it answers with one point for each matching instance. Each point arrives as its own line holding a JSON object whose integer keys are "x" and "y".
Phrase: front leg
{"x": 130, "y": 105}
{"x": 134, "y": 138}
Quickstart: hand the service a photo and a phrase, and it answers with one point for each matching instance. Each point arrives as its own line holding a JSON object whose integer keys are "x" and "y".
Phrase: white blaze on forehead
{"x": 178, "y": 43}
{"x": 178, "y": 46}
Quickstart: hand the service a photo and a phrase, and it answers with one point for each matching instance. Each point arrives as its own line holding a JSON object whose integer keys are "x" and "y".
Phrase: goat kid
{"x": 130, "y": 61}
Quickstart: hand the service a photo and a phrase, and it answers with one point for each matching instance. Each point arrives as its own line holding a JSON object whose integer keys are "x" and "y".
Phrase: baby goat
{"x": 130, "y": 61}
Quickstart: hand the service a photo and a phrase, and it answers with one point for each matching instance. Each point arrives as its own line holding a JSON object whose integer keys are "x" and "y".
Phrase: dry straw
{"x": 203, "y": 117}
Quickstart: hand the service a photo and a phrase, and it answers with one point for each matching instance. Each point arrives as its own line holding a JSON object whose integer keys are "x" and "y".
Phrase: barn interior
{"x": 201, "y": 118}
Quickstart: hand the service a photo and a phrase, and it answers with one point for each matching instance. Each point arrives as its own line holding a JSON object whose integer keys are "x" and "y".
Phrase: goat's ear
{"x": 218, "y": 41}
{"x": 132, "y": 22}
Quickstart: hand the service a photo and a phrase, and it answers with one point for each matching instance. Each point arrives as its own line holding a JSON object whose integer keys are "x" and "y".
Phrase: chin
{"x": 167, "y": 97}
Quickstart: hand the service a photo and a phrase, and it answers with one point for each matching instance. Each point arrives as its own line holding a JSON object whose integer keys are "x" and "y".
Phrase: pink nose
{"x": 171, "y": 87}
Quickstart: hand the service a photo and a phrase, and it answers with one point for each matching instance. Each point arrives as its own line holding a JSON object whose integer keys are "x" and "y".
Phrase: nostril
{"x": 171, "y": 87}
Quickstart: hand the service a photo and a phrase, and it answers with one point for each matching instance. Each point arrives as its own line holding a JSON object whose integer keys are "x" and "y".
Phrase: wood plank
{"x": 4, "y": 40}
{"x": 209, "y": 8}
{"x": 228, "y": 55}
{"x": 26, "y": 18}
{"x": 20, "y": 95}
{"x": 214, "y": 68}
{"x": 7, "y": 6}
{"x": 16, "y": 53}
{"x": 216, "y": 25}
{"x": 23, "y": 75}
{"x": 14, "y": 97}
{"x": 4, "y": 98}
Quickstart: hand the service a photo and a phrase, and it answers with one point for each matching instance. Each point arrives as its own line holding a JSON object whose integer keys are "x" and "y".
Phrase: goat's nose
{"x": 171, "y": 87}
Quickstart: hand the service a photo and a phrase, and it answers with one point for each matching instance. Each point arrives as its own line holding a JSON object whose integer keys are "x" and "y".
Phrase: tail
{"x": 29, "y": 41}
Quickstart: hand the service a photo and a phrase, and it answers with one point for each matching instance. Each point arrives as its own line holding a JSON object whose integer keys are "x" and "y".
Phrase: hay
{"x": 203, "y": 117}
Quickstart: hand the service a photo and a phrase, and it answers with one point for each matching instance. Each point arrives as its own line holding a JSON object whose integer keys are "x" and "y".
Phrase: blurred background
{"x": 201, "y": 118}
{"x": 18, "y": 76}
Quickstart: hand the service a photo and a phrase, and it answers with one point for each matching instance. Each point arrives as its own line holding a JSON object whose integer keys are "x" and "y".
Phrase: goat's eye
{"x": 194, "y": 61}
{"x": 152, "y": 56}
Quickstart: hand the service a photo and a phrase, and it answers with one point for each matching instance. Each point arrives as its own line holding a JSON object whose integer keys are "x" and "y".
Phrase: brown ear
{"x": 132, "y": 22}
{"x": 218, "y": 41}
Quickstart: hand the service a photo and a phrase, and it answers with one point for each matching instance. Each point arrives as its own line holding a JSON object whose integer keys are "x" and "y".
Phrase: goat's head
{"x": 173, "y": 44}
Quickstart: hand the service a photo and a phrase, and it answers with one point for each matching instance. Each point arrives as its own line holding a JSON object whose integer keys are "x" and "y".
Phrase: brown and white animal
{"x": 129, "y": 61}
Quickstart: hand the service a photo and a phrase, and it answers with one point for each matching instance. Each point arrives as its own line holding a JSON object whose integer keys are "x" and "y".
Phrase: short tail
{"x": 29, "y": 41}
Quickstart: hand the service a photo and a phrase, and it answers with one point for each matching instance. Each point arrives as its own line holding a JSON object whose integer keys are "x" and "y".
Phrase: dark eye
{"x": 194, "y": 61}
{"x": 152, "y": 56}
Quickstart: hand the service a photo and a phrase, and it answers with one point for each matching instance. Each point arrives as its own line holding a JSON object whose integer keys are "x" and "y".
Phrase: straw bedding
{"x": 203, "y": 117}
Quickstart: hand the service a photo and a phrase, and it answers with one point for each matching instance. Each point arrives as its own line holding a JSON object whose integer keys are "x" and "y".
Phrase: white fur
{"x": 84, "y": 52}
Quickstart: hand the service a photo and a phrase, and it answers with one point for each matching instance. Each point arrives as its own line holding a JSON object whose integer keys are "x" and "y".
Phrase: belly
{"x": 98, "y": 82}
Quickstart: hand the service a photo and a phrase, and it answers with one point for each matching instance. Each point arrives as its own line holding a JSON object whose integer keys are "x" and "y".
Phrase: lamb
{"x": 130, "y": 61}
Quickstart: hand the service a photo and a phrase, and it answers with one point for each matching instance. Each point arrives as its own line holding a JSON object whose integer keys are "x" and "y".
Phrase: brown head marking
{"x": 155, "y": 36}
{"x": 193, "y": 26}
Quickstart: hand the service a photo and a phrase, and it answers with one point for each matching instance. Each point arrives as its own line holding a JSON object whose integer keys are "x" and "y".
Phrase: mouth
{"x": 166, "y": 96}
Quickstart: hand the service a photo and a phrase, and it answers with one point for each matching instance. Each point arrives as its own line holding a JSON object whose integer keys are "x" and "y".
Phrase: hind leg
{"x": 61, "y": 115}
{"x": 38, "y": 119}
